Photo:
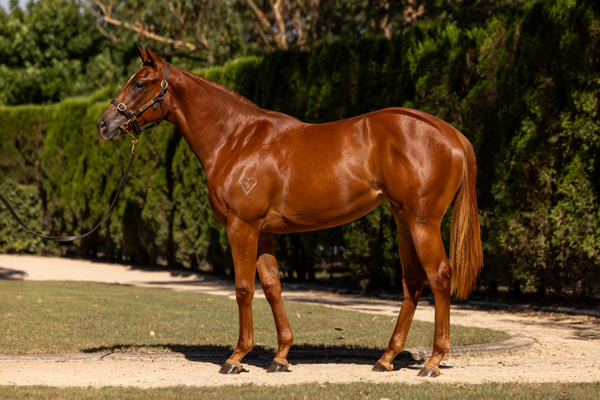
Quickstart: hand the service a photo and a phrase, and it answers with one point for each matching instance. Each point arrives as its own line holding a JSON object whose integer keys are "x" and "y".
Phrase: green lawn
{"x": 359, "y": 391}
{"x": 72, "y": 317}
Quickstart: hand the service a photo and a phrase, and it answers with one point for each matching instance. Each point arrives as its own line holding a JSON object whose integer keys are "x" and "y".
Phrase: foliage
{"x": 522, "y": 83}
{"x": 201, "y": 241}
{"x": 21, "y": 137}
{"x": 216, "y": 31}
{"x": 546, "y": 209}
{"x": 51, "y": 50}
{"x": 211, "y": 30}
{"x": 372, "y": 251}
{"x": 26, "y": 202}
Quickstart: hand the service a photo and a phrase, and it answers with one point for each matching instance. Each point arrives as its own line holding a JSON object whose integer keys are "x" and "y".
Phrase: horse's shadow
{"x": 262, "y": 357}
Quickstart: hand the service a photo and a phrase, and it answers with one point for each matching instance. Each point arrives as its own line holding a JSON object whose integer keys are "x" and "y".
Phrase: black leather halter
{"x": 133, "y": 116}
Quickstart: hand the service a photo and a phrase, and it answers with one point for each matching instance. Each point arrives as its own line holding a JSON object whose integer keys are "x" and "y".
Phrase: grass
{"x": 360, "y": 391}
{"x": 69, "y": 317}
{"x": 85, "y": 317}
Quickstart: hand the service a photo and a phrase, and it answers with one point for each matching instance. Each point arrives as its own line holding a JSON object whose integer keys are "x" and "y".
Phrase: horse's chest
{"x": 217, "y": 205}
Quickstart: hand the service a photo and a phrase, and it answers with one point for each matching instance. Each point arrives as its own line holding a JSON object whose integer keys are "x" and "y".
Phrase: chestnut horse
{"x": 270, "y": 173}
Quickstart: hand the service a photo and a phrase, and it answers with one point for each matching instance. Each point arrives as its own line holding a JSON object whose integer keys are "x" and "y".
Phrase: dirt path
{"x": 565, "y": 348}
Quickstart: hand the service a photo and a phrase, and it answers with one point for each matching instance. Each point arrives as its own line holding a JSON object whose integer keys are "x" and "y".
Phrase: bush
{"x": 25, "y": 200}
{"x": 523, "y": 85}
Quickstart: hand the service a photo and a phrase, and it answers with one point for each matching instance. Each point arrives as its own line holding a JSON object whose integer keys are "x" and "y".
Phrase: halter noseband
{"x": 133, "y": 116}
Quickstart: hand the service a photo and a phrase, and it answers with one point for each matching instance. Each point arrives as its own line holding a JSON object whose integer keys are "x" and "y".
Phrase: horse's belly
{"x": 321, "y": 210}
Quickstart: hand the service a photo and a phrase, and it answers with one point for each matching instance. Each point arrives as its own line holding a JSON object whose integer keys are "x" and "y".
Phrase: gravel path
{"x": 546, "y": 347}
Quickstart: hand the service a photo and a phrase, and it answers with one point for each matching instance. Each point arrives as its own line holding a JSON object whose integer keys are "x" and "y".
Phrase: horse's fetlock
{"x": 287, "y": 337}
{"x": 246, "y": 346}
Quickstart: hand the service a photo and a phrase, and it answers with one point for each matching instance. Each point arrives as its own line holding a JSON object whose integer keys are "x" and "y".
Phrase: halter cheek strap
{"x": 133, "y": 116}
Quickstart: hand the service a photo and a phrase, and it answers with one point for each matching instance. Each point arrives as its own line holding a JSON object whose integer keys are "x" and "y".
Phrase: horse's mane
{"x": 207, "y": 82}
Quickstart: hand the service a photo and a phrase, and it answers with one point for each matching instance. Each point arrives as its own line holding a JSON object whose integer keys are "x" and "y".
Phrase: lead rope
{"x": 95, "y": 228}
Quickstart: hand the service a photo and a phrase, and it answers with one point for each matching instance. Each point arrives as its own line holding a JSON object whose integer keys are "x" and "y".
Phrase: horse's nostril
{"x": 102, "y": 126}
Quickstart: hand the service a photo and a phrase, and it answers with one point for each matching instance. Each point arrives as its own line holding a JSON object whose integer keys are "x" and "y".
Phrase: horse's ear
{"x": 140, "y": 52}
{"x": 146, "y": 57}
{"x": 151, "y": 57}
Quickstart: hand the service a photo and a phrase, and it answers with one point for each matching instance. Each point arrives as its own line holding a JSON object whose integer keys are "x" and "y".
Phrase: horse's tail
{"x": 466, "y": 255}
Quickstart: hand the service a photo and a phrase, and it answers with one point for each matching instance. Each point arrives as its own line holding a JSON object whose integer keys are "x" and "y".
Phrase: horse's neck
{"x": 209, "y": 115}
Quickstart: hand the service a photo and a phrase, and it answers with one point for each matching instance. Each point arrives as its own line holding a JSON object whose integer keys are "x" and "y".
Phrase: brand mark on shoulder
{"x": 247, "y": 183}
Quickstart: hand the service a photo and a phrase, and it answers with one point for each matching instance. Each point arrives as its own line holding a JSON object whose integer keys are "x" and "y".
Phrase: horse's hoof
{"x": 428, "y": 372}
{"x": 231, "y": 369}
{"x": 379, "y": 367}
{"x": 279, "y": 367}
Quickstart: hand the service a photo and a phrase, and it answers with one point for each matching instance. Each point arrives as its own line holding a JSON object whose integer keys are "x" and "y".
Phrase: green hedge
{"x": 524, "y": 87}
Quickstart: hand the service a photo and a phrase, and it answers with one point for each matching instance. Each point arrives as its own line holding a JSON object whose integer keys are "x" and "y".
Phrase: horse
{"x": 269, "y": 173}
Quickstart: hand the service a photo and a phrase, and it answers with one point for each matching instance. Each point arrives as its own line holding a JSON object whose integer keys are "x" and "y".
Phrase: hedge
{"x": 524, "y": 87}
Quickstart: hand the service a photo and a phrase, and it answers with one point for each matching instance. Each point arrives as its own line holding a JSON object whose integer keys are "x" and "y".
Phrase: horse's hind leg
{"x": 269, "y": 279}
{"x": 413, "y": 280}
{"x": 429, "y": 247}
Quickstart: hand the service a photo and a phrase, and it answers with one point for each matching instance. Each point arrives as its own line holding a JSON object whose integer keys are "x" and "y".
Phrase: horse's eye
{"x": 138, "y": 86}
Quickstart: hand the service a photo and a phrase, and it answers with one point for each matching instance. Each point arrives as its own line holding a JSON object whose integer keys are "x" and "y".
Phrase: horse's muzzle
{"x": 106, "y": 130}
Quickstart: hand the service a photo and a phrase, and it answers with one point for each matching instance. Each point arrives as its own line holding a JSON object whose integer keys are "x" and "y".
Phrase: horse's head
{"x": 140, "y": 101}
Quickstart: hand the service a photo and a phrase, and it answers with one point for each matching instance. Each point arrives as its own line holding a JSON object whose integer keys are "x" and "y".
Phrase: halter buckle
{"x": 121, "y": 107}
{"x": 164, "y": 85}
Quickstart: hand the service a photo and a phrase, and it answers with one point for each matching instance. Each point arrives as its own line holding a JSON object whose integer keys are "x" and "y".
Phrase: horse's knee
{"x": 244, "y": 292}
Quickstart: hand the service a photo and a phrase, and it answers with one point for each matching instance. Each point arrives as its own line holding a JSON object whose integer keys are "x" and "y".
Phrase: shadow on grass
{"x": 262, "y": 357}
{"x": 12, "y": 274}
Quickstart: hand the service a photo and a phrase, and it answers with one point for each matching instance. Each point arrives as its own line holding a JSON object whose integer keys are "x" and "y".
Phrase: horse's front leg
{"x": 243, "y": 240}
{"x": 269, "y": 279}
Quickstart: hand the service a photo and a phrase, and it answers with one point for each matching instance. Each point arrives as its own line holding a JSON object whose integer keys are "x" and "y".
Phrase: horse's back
{"x": 397, "y": 141}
